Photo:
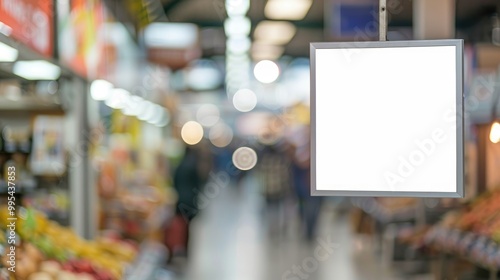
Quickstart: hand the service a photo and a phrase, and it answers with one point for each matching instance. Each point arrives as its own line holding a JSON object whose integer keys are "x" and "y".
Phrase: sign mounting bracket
{"x": 382, "y": 20}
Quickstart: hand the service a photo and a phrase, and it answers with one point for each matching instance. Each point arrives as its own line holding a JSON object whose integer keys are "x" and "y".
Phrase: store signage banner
{"x": 82, "y": 39}
{"x": 30, "y": 22}
{"x": 387, "y": 118}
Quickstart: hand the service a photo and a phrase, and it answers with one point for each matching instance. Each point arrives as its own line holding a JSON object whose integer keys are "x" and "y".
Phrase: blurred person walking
{"x": 275, "y": 180}
{"x": 189, "y": 178}
{"x": 309, "y": 206}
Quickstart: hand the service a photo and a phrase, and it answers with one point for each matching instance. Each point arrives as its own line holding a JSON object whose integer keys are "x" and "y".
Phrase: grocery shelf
{"x": 384, "y": 215}
{"x": 38, "y": 104}
{"x": 480, "y": 250}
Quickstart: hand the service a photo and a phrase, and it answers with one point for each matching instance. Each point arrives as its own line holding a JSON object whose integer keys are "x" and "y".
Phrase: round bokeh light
{"x": 244, "y": 158}
{"x": 192, "y": 133}
{"x": 266, "y": 71}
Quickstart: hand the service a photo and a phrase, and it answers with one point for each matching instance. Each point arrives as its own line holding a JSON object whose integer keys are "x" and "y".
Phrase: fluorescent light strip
{"x": 171, "y": 35}
{"x": 274, "y": 32}
{"x": 236, "y": 8}
{"x": 8, "y": 53}
{"x": 100, "y": 89}
{"x": 287, "y": 9}
{"x": 237, "y": 26}
{"x": 37, "y": 70}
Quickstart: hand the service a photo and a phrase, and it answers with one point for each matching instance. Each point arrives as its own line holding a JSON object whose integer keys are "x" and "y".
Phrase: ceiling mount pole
{"x": 382, "y": 20}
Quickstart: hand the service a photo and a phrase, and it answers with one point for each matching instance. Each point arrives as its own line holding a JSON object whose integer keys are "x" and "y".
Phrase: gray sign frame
{"x": 459, "y": 44}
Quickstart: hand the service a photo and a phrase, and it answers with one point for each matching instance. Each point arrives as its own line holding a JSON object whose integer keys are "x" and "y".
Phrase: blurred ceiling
{"x": 211, "y": 14}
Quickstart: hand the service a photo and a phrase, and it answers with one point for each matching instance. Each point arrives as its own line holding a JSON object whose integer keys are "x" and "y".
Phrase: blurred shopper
{"x": 188, "y": 182}
{"x": 274, "y": 173}
{"x": 309, "y": 206}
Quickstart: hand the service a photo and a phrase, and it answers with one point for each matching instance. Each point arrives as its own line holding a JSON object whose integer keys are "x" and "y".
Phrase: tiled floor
{"x": 230, "y": 242}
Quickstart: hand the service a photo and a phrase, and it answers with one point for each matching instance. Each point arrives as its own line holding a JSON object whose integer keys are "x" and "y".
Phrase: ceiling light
{"x": 118, "y": 98}
{"x": 266, "y": 71}
{"x": 287, "y": 9}
{"x": 274, "y": 32}
{"x": 147, "y": 110}
{"x": 238, "y": 45}
{"x": 37, "y": 70}
{"x": 237, "y": 26}
{"x": 100, "y": 89}
{"x": 237, "y": 7}
{"x": 244, "y": 100}
{"x": 7, "y": 53}
{"x": 157, "y": 114}
{"x": 171, "y": 35}
{"x": 495, "y": 133}
{"x": 5, "y": 29}
{"x": 262, "y": 51}
{"x": 133, "y": 106}
{"x": 164, "y": 120}
{"x": 204, "y": 76}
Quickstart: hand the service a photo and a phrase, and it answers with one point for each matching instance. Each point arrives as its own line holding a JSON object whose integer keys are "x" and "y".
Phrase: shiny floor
{"x": 231, "y": 241}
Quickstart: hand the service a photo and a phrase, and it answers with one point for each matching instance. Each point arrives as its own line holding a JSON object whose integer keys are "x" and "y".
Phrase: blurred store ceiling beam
{"x": 169, "y": 5}
{"x": 211, "y": 14}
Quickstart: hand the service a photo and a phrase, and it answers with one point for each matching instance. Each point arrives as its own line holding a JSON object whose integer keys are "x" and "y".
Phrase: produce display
{"x": 481, "y": 216}
{"x": 46, "y": 250}
{"x": 387, "y": 209}
{"x": 472, "y": 232}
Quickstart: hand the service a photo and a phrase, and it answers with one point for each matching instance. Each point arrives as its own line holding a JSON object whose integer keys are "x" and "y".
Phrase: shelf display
{"x": 34, "y": 146}
{"x": 132, "y": 178}
{"x": 472, "y": 232}
{"x": 48, "y": 151}
{"x": 388, "y": 209}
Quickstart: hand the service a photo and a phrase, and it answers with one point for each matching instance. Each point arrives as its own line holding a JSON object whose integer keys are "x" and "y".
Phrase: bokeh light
{"x": 192, "y": 133}
{"x": 266, "y": 71}
{"x": 244, "y": 158}
{"x": 495, "y": 132}
{"x": 118, "y": 98}
{"x": 100, "y": 89}
{"x": 133, "y": 106}
{"x": 208, "y": 115}
{"x": 244, "y": 100}
{"x": 220, "y": 135}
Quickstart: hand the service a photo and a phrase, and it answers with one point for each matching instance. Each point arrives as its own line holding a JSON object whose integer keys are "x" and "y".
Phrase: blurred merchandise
{"x": 47, "y": 249}
{"x": 135, "y": 197}
{"x": 100, "y": 98}
{"x": 48, "y": 153}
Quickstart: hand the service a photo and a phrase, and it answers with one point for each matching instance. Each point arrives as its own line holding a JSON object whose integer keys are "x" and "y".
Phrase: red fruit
{"x": 103, "y": 275}
{"x": 68, "y": 266}
{"x": 84, "y": 266}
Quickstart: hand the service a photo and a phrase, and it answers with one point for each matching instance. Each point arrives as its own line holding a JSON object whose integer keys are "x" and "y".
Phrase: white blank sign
{"x": 387, "y": 118}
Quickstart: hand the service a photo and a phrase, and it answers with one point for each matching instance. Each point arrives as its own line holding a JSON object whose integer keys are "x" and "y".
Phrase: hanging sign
{"x": 30, "y": 22}
{"x": 387, "y": 118}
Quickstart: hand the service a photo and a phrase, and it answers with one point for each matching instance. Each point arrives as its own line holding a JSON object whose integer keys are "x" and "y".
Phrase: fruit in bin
{"x": 85, "y": 276}
{"x": 66, "y": 275}
{"x": 84, "y": 266}
{"x": 32, "y": 252}
{"x": 104, "y": 275}
{"x": 40, "y": 276}
{"x": 24, "y": 268}
{"x": 51, "y": 267}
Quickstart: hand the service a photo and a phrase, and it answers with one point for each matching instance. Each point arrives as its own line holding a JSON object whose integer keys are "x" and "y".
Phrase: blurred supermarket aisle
{"x": 230, "y": 242}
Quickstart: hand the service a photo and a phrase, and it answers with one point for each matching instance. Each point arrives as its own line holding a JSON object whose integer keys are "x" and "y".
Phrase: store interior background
{"x": 100, "y": 98}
